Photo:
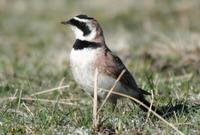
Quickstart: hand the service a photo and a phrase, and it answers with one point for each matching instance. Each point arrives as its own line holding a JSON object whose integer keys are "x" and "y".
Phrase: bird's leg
{"x": 114, "y": 105}
{"x": 99, "y": 102}
{"x": 113, "y": 101}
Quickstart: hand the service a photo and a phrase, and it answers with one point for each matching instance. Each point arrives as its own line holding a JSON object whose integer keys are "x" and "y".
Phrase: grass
{"x": 158, "y": 41}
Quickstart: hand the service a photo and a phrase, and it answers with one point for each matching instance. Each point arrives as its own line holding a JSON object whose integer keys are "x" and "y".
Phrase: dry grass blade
{"x": 113, "y": 87}
{"x": 16, "y": 91}
{"x": 120, "y": 94}
{"x": 95, "y": 115}
{"x": 153, "y": 112}
{"x": 60, "y": 84}
{"x": 149, "y": 111}
{"x": 18, "y": 112}
{"x": 28, "y": 109}
{"x": 50, "y": 90}
{"x": 36, "y": 99}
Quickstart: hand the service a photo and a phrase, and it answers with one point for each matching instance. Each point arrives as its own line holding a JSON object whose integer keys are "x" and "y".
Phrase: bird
{"x": 90, "y": 52}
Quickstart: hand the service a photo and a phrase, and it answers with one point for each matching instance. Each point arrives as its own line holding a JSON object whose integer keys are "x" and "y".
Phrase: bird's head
{"x": 85, "y": 28}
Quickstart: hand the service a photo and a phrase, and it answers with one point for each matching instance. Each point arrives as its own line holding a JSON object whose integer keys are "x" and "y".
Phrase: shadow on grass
{"x": 179, "y": 108}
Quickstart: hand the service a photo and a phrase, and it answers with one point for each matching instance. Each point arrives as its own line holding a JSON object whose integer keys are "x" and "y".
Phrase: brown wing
{"x": 113, "y": 66}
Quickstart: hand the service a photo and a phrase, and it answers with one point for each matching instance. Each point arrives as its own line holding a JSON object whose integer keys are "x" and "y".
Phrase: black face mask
{"x": 80, "y": 25}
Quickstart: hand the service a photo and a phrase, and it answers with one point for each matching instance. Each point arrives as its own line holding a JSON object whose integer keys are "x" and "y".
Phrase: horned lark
{"x": 90, "y": 52}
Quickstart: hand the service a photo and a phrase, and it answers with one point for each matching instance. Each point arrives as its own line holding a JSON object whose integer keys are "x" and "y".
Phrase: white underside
{"x": 82, "y": 65}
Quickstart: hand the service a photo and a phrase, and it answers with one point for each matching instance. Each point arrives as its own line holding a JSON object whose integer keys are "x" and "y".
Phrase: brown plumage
{"x": 111, "y": 65}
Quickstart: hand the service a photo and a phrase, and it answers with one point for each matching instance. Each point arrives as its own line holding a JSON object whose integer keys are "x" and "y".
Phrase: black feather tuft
{"x": 84, "y": 17}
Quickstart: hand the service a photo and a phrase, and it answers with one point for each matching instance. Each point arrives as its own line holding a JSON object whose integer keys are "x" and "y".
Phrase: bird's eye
{"x": 82, "y": 24}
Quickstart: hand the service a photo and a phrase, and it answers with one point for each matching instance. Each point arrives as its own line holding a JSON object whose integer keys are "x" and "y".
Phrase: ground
{"x": 159, "y": 42}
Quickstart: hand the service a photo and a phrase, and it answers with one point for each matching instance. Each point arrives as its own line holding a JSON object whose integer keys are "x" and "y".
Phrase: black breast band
{"x": 79, "y": 44}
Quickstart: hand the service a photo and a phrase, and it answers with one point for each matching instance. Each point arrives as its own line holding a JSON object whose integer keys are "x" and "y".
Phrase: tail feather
{"x": 144, "y": 92}
{"x": 145, "y": 102}
{"x": 148, "y": 104}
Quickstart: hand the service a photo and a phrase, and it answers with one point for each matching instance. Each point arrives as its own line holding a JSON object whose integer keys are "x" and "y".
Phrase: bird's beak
{"x": 66, "y": 22}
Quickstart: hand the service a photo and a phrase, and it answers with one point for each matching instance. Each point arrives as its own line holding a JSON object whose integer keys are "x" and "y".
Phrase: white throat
{"x": 79, "y": 34}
